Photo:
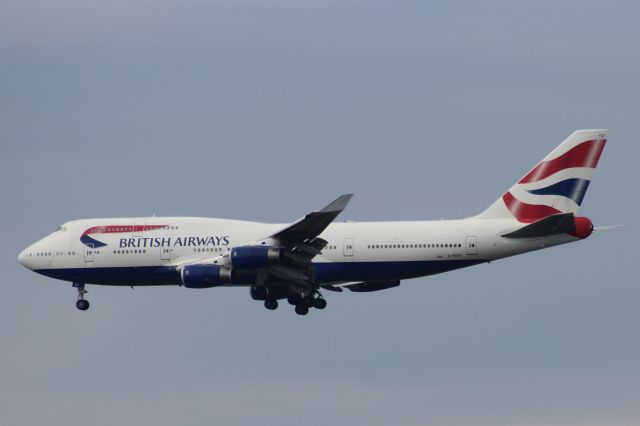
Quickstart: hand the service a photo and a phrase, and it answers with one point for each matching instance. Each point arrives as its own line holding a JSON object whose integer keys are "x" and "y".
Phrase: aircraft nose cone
{"x": 22, "y": 258}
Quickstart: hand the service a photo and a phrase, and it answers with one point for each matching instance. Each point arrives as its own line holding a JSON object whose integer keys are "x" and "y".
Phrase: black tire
{"x": 271, "y": 304}
{"x": 82, "y": 304}
{"x": 258, "y": 293}
{"x": 319, "y": 303}
{"x": 308, "y": 302}
{"x": 302, "y": 310}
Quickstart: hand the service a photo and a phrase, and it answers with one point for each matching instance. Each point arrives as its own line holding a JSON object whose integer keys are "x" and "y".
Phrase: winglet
{"x": 338, "y": 204}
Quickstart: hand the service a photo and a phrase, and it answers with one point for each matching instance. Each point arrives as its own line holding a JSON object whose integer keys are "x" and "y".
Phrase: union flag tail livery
{"x": 297, "y": 261}
{"x": 557, "y": 184}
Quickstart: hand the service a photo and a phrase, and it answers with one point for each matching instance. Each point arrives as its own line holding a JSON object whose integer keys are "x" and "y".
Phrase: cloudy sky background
{"x": 266, "y": 110}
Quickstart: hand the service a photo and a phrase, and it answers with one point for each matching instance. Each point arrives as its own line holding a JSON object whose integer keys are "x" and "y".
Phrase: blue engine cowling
{"x": 205, "y": 276}
{"x": 254, "y": 257}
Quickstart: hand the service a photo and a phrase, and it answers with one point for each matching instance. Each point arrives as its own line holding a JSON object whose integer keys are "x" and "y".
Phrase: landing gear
{"x": 319, "y": 303}
{"x": 308, "y": 301}
{"x": 271, "y": 304}
{"x": 294, "y": 299}
{"x": 305, "y": 299}
{"x": 81, "y": 304}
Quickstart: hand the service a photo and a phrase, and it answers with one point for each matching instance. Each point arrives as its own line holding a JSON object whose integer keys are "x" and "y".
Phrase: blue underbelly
{"x": 325, "y": 272}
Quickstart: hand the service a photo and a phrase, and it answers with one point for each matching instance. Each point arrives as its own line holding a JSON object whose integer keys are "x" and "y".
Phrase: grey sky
{"x": 265, "y": 110}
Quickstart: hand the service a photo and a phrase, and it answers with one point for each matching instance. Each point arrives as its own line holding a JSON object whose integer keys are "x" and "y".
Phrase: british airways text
{"x": 177, "y": 242}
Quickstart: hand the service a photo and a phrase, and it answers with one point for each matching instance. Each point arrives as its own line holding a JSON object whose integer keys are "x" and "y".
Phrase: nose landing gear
{"x": 81, "y": 304}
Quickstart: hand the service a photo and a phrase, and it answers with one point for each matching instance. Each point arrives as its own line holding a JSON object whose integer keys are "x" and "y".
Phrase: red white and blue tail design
{"x": 557, "y": 184}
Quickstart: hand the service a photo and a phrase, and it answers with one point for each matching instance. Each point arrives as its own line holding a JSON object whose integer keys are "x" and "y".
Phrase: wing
{"x": 285, "y": 255}
{"x": 300, "y": 243}
{"x": 312, "y": 224}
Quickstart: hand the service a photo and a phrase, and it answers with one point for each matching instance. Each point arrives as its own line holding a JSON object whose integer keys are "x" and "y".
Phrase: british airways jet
{"x": 296, "y": 261}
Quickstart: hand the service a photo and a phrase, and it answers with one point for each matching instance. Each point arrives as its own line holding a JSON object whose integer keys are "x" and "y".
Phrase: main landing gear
{"x": 271, "y": 304}
{"x": 303, "y": 303}
{"x": 303, "y": 298}
{"x": 81, "y": 304}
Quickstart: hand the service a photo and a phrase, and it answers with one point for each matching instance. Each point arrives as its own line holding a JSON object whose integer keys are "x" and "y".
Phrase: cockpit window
{"x": 62, "y": 228}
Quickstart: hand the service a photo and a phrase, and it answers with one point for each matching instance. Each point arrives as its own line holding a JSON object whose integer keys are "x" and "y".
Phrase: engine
{"x": 206, "y": 276}
{"x": 254, "y": 257}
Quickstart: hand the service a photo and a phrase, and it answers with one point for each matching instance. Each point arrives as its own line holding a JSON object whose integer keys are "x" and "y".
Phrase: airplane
{"x": 296, "y": 261}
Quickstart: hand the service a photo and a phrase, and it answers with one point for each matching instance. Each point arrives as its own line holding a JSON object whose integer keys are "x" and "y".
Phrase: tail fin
{"x": 557, "y": 184}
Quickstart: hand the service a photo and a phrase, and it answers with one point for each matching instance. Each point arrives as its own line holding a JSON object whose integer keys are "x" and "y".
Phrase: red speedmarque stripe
{"x": 585, "y": 154}
{"x": 113, "y": 229}
{"x": 527, "y": 213}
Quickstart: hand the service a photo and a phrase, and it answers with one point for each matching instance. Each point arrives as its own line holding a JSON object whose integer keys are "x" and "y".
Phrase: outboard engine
{"x": 254, "y": 257}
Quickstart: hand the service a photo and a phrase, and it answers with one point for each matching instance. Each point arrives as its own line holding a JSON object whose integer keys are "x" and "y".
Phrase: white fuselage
{"x": 357, "y": 251}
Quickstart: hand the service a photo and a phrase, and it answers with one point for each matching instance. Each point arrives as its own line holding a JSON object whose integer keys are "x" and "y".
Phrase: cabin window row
{"x": 428, "y": 245}
{"x": 58, "y": 253}
{"x": 145, "y": 228}
{"x": 141, "y": 251}
{"x": 209, "y": 249}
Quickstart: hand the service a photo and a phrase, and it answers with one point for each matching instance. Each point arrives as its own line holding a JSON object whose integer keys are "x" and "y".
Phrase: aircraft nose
{"x": 22, "y": 258}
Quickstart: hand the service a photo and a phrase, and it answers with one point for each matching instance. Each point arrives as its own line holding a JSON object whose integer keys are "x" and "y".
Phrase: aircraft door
{"x": 348, "y": 249}
{"x": 88, "y": 256}
{"x": 165, "y": 253}
{"x": 472, "y": 245}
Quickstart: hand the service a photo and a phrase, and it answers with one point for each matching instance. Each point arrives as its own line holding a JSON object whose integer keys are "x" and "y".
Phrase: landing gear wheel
{"x": 82, "y": 304}
{"x": 271, "y": 304}
{"x": 308, "y": 302}
{"x": 302, "y": 310}
{"x": 319, "y": 303}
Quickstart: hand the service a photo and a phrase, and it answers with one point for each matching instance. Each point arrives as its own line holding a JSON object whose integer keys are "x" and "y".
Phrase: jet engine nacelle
{"x": 206, "y": 276}
{"x": 254, "y": 257}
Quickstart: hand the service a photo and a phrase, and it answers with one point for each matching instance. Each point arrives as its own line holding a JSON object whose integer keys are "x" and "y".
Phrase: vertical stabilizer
{"x": 557, "y": 184}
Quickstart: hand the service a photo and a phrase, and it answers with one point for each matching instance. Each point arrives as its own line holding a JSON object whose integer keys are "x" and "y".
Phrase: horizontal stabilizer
{"x": 563, "y": 223}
